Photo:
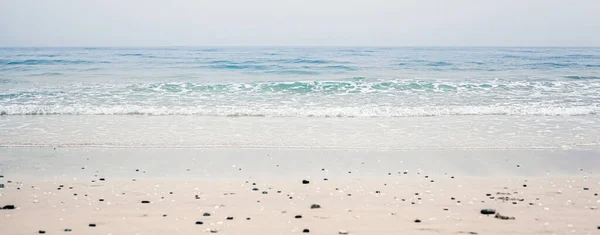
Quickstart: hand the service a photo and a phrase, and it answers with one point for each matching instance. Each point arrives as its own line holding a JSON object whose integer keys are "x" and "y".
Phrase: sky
{"x": 300, "y": 23}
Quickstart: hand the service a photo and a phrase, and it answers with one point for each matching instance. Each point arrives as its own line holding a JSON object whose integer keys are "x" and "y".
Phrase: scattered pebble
{"x": 502, "y": 217}
{"x": 305, "y": 231}
{"x": 488, "y": 211}
{"x": 315, "y": 206}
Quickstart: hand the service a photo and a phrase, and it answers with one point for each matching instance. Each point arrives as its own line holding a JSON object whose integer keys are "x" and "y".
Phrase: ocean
{"x": 305, "y": 97}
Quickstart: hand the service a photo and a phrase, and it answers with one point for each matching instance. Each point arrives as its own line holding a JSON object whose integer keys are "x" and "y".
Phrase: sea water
{"x": 306, "y": 97}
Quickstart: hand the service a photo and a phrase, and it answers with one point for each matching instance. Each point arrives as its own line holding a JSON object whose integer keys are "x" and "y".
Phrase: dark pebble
{"x": 165, "y": 215}
{"x": 8, "y": 207}
{"x": 306, "y": 230}
{"x": 101, "y": 199}
{"x": 377, "y": 191}
{"x": 488, "y": 211}
{"x": 265, "y": 192}
{"x": 206, "y": 214}
{"x": 305, "y": 182}
{"x": 586, "y": 188}
{"x": 102, "y": 179}
{"x": 248, "y": 218}
{"x": 92, "y": 225}
{"x": 199, "y": 222}
{"x": 254, "y": 189}
{"x": 1, "y": 185}
{"x": 229, "y": 218}
{"x": 417, "y": 221}
{"x": 524, "y": 186}
{"x": 488, "y": 194}
{"x": 315, "y": 206}
{"x": 42, "y": 231}
{"x": 68, "y": 230}
{"x": 298, "y": 217}
{"x": 145, "y": 202}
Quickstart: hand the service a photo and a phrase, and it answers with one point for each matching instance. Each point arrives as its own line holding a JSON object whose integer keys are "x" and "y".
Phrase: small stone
{"x": 265, "y": 192}
{"x": 315, "y": 206}
{"x": 255, "y": 189}
{"x": 145, "y": 202}
{"x": 305, "y": 182}
{"x": 1, "y": 185}
{"x": 206, "y": 214}
{"x": 377, "y": 191}
{"x": 488, "y": 211}
{"x": 164, "y": 215}
{"x": 101, "y": 199}
{"x": 8, "y": 207}
{"x": 342, "y": 232}
{"x": 68, "y": 230}
{"x": 248, "y": 218}
{"x": 305, "y": 231}
{"x": 41, "y": 231}
{"x": 92, "y": 225}
{"x": 230, "y": 218}
{"x": 586, "y": 188}
{"x": 102, "y": 179}
{"x": 524, "y": 186}
{"x": 417, "y": 221}
{"x": 502, "y": 217}
{"x": 214, "y": 231}
{"x": 488, "y": 194}
{"x": 298, "y": 217}
{"x": 199, "y": 222}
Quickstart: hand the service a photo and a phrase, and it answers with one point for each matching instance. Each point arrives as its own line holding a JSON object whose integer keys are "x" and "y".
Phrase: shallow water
{"x": 300, "y": 82}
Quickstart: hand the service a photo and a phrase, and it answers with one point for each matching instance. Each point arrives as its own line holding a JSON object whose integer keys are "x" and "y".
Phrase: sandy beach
{"x": 247, "y": 194}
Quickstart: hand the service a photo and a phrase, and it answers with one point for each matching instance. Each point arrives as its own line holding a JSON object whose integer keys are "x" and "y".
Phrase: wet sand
{"x": 263, "y": 191}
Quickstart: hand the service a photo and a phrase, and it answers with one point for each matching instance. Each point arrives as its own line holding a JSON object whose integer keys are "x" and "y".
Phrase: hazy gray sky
{"x": 300, "y": 23}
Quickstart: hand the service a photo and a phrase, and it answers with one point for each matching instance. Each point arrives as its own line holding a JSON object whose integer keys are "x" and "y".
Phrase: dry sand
{"x": 386, "y": 205}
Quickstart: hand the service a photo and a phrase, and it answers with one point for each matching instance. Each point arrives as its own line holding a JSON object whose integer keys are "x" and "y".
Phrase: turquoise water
{"x": 300, "y": 82}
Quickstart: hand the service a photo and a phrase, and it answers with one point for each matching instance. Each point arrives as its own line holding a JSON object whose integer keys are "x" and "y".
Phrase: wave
{"x": 362, "y": 85}
{"x": 49, "y": 62}
{"x": 582, "y": 77}
{"x": 284, "y": 111}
